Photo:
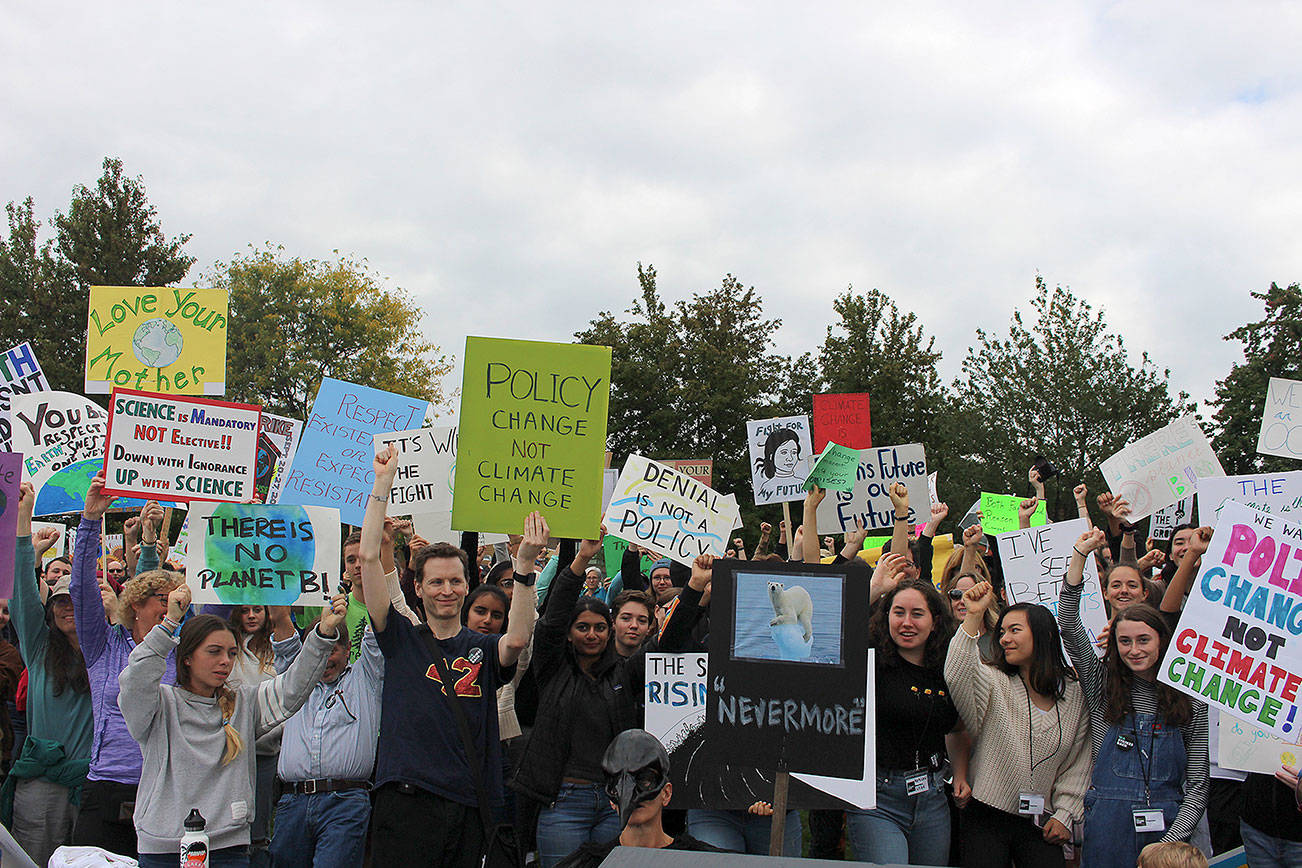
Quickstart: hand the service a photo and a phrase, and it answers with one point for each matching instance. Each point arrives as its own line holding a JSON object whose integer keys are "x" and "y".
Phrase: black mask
{"x": 637, "y": 769}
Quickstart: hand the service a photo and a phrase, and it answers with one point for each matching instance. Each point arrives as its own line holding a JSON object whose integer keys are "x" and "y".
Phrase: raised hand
{"x": 1199, "y": 541}
{"x": 588, "y": 548}
{"x": 1090, "y": 540}
{"x": 1151, "y": 560}
{"x": 815, "y": 496}
{"x": 385, "y": 465}
{"x": 1080, "y": 492}
{"x": 43, "y": 540}
{"x": 887, "y": 574}
{"x": 765, "y": 528}
{"x": 26, "y": 502}
{"x": 97, "y": 502}
{"x": 177, "y": 602}
{"x": 151, "y": 521}
{"x": 333, "y": 615}
{"x": 1026, "y": 509}
{"x": 972, "y": 536}
{"x": 536, "y": 534}
{"x": 1104, "y": 501}
{"x": 854, "y": 538}
{"x": 978, "y": 599}
{"x": 939, "y": 512}
{"x": 899, "y": 493}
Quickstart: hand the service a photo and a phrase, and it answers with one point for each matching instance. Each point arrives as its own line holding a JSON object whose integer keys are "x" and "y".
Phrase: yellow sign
{"x": 160, "y": 339}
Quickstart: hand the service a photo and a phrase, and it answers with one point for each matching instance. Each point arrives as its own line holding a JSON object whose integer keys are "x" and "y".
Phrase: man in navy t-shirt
{"x": 426, "y": 804}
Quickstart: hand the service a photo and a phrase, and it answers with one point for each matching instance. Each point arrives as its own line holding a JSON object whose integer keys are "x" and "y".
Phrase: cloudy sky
{"x": 510, "y": 164}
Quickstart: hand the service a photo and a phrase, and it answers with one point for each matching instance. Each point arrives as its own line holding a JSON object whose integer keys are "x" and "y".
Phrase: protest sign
{"x": 835, "y": 469}
{"x": 21, "y": 373}
{"x": 674, "y": 695}
{"x": 999, "y": 513}
{"x": 61, "y": 542}
{"x": 932, "y": 482}
{"x": 532, "y": 436}
{"x": 160, "y": 339}
{"x": 276, "y": 445}
{"x": 181, "y": 448}
{"x": 1244, "y": 614}
{"x": 1035, "y": 561}
{"x": 11, "y": 477}
{"x": 1250, "y": 748}
{"x": 870, "y": 500}
{"x": 1281, "y": 419}
{"x": 332, "y": 464}
{"x": 700, "y": 469}
{"x": 609, "y": 477}
{"x": 262, "y": 554}
{"x": 842, "y": 419}
{"x": 1160, "y": 468}
{"x": 1168, "y": 518}
{"x": 181, "y": 547}
{"x": 657, "y": 507}
{"x": 786, "y": 668}
{"x": 1276, "y": 493}
{"x": 612, "y": 553}
{"x": 779, "y": 458}
{"x": 427, "y": 459}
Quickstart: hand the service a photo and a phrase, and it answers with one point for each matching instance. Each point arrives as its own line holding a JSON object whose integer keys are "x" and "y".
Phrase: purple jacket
{"x": 114, "y": 754}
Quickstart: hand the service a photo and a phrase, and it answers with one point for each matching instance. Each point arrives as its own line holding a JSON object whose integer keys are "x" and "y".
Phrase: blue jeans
{"x": 1263, "y": 851}
{"x": 581, "y": 813}
{"x": 742, "y": 831}
{"x": 227, "y": 857}
{"x": 902, "y": 829}
{"x": 325, "y": 830}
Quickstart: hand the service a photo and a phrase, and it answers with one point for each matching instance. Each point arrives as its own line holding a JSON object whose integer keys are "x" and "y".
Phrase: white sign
{"x": 1277, "y": 493}
{"x": 21, "y": 373}
{"x": 1161, "y": 468}
{"x": 1281, "y": 419}
{"x": 60, "y": 543}
{"x": 427, "y": 461}
{"x": 870, "y": 500}
{"x": 780, "y": 452}
{"x": 658, "y": 507}
{"x": 1250, "y": 748}
{"x": 1168, "y": 518}
{"x": 284, "y": 433}
{"x": 1035, "y": 561}
{"x": 61, "y": 436}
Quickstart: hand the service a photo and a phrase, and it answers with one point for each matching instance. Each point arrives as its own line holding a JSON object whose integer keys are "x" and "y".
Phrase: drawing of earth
{"x": 65, "y": 491}
{"x": 280, "y": 553}
{"x": 157, "y": 343}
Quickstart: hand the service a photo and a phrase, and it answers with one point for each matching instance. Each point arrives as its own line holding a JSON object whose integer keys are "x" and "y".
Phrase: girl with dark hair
{"x": 781, "y": 454}
{"x": 40, "y": 796}
{"x": 1026, "y": 716}
{"x": 195, "y": 734}
{"x": 1148, "y": 741}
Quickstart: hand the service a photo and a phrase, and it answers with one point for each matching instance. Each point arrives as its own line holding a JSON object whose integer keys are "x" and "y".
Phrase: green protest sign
{"x": 531, "y": 436}
{"x": 613, "y": 549}
{"x": 835, "y": 469}
{"x": 999, "y": 513}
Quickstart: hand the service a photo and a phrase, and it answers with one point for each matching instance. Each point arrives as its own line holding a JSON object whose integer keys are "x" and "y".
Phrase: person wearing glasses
{"x": 105, "y": 819}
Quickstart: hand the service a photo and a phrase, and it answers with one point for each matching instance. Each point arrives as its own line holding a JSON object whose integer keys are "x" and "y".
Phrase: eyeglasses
{"x": 955, "y": 594}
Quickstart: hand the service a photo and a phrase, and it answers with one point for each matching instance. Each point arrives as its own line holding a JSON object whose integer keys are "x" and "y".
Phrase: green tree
{"x": 31, "y": 305}
{"x": 294, "y": 321}
{"x": 1272, "y": 347}
{"x": 1063, "y": 386}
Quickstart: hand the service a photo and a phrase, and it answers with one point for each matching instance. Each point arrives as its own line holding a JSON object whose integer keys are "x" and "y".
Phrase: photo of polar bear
{"x": 789, "y": 617}
{"x": 792, "y": 606}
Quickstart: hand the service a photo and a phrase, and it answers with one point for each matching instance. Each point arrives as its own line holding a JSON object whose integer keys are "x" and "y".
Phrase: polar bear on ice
{"x": 792, "y": 606}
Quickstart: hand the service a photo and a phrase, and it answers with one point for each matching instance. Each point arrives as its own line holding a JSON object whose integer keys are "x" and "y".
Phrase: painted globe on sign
{"x": 157, "y": 343}
{"x": 65, "y": 491}
{"x": 227, "y": 555}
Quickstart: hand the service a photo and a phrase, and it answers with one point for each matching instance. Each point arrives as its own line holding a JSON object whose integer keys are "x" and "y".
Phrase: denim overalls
{"x": 1138, "y": 754}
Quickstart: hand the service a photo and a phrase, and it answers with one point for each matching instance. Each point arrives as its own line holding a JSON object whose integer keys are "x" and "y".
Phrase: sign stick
{"x": 791, "y": 532}
{"x": 778, "y": 829}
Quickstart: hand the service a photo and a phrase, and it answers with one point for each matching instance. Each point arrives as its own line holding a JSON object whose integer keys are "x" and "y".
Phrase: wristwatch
{"x": 526, "y": 580}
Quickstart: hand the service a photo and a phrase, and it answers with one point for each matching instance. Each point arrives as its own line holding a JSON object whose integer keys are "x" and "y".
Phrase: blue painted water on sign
{"x": 754, "y": 635}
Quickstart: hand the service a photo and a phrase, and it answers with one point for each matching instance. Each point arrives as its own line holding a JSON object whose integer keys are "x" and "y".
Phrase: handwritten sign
{"x": 658, "y": 507}
{"x": 1281, "y": 419}
{"x": 427, "y": 459}
{"x": 1250, "y": 748}
{"x": 1035, "y": 561}
{"x": 160, "y": 339}
{"x": 11, "y": 477}
{"x": 1168, "y": 518}
{"x": 1160, "y": 468}
{"x": 999, "y": 513}
{"x": 870, "y": 501}
{"x": 181, "y": 449}
{"x": 842, "y": 419}
{"x": 332, "y": 464}
{"x": 779, "y": 458}
{"x": 835, "y": 469}
{"x": 1277, "y": 493}
{"x": 700, "y": 469}
{"x": 1237, "y": 647}
{"x": 276, "y": 445}
{"x": 262, "y": 554}
{"x": 21, "y": 373}
{"x": 532, "y": 436}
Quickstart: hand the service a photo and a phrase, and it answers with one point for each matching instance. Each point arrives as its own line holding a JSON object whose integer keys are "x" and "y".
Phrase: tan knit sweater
{"x": 995, "y": 709}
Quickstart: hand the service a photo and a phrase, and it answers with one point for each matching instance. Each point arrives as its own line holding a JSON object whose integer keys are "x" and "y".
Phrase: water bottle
{"x": 194, "y": 843}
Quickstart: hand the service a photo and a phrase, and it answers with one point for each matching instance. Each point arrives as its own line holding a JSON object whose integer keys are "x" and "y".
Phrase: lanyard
{"x": 1146, "y": 769}
{"x": 922, "y": 734}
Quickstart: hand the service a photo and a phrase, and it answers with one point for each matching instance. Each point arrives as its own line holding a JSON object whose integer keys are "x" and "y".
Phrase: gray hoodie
{"x": 181, "y": 736}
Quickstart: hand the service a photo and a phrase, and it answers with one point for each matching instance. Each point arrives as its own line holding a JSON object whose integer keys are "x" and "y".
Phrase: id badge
{"x": 1030, "y": 804}
{"x": 1149, "y": 820}
{"x": 916, "y": 783}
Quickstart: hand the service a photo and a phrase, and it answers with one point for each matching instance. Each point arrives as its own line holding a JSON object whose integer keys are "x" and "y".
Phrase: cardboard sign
{"x": 180, "y": 449}
{"x": 21, "y": 373}
{"x": 332, "y": 464}
{"x": 1277, "y": 493}
{"x": 787, "y": 667}
{"x": 1168, "y": 518}
{"x": 1160, "y": 468}
{"x": 276, "y": 445}
{"x": 1035, "y": 562}
{"x": 675, "y": 694}
{"x": 779, "y": 458}
{"x": 11, "y": 477}
{"x": 427, "y": 459}
{"x": 842, "y": 419}
{"x": 612, "y": 550}
{"x": 835, "y": 469}
{"x": 532, "y": 436}
{"x": 1250, "y": 748}
{"x": 1281, "y": 419}
{"x": 160, "y": 339}
{"x": 999, "y": 513}
{"x": 262, "y": 554}
{"x": 1237, "y": 646}
{"x": 870, "y": 501}
{"x": 700, "y": 469}
{"x": 657, "y": 507}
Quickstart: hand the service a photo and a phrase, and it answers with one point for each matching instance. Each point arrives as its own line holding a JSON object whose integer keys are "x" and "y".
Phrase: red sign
{"x": 842, "y": 419}
{"x": 700, "y": 469}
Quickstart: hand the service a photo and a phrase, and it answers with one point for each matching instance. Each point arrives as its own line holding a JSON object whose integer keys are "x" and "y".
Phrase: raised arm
{"x": 900, "y": 535}
{"x": 852, "y": 541}
{"x": 26, "y": 607}
{"x": 971, "y": 682}
{"x": 151, "y": 520}
{"x": 1088, "y": 667}
{"x": 139, "y": 698}
{"x": 524, "y": 600}
{"x": 972, "y": 537}
{"x": 1026, "y": 511}
{"x": 87, "y": 604}
{"x": 1080, "y": 492}
{"x": 1182, "y": 581}
{"x": 812, "y": 500}
{"x": 762, "y": 547}
{"x": 373, "y": 585}
{"x": 278, "y": 698}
